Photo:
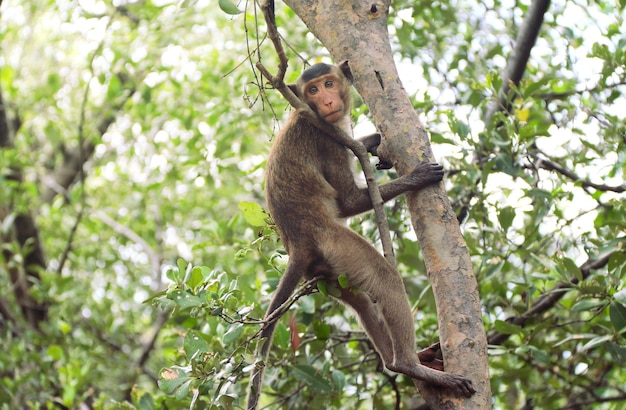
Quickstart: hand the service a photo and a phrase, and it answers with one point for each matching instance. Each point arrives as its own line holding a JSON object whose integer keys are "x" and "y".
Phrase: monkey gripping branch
{"x": 358, "y": 33}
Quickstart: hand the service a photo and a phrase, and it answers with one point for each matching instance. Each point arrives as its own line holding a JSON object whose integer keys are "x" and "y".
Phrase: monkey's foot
{"x": 459, "y": 384}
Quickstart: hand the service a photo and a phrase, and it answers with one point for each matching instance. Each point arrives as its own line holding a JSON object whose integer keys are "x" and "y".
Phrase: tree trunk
{"x": 357, "y": 32}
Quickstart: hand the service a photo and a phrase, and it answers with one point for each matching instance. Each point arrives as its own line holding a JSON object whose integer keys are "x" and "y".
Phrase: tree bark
{"x": 25, "y": 233}
{"x": 516, "y": 64}
{"x": 357, "y": 31}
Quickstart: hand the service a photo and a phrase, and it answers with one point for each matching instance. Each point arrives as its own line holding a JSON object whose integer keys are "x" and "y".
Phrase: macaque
{"x": 310, "y": 190}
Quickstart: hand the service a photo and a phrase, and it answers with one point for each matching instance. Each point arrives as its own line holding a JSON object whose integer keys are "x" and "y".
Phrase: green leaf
{"x": 620, "y": 297}
{"x": 505, "y": 163}
{"x": 55, "y": 352}
{"x": 171, "y": 378}
{"x": 195, "y": 276}
{"x": 587, "y": 305}
{"x": 7, "y": 74}
{"x": 507, "y": 328}
{"x": 596, "y": 341}
{"x": 494, "y": 269}
{"x": 194, "y": 343}
{"x": 181, "y": 264}
{"x": 64, "y": 327}
{"x": 54, "y": 81}
{"x": 343, "y": 281}
{"x": 183, "y": 391}
{"x": 233, "y": 333}
{"x": 309, "y": 375}
{"x": 146, "y": 402}
{"x": 322, "y": 287}
{"x": 539, "y": 355}
{"x": 229, "y": 7}
{"x": 505, "y": 217}
{"x": 573, "y": 269}
{"x": 69, "y": 395}
{"x": 437, "y": 138}
{"x": 115, "y": 88}
{"x": 617, "y": 313}
{"x": 281, "y": 336}
{"x": 618, "y": 352}
{"x": 333, "y": 290}
{"x": 253, "y": 213}
{"x": 539, "y": 193}
{"x": 462, "y": 129}
{"x": 227, "y": 400}
{"x": 533, "y": 87}
{"x": 321, "y": 330}
{"x": 307, "y": 304}
{"x": 339, "y": 379}
{"x": 617, "y": 266}
{"x": 184, "y": 299}
{"x": 173, "y": 274}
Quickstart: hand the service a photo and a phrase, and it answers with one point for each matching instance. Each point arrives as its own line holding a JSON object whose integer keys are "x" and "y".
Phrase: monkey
{"x": 310, "y": 190}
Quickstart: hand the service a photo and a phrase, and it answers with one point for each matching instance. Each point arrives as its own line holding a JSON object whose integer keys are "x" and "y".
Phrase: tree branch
{"x": 26, "y": 234}
{"x": 550, "y": 298}
{"x": 550, "y": 165}
{"x": 516, "y": 65}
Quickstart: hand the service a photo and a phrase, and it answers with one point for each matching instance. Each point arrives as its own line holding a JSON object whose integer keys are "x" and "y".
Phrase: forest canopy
{"x": 137, "y": 258}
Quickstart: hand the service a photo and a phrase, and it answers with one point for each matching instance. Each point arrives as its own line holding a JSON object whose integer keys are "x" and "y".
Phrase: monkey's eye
{"x": 313, "y": 89}
{"x": 329, "y": 83}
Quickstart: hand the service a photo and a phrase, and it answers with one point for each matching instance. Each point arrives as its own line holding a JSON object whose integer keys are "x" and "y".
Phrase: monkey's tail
{"x": 292, "y": 275}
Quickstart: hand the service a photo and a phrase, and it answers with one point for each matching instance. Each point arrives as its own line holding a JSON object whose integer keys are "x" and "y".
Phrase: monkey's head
{"x": 326, "y": 89}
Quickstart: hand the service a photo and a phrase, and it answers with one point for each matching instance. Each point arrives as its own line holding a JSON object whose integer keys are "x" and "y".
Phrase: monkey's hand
{"x": 425, "y": 174}
{"x": 459, "y": 384}
{"x": 382, "y": 164}
{"x": 371, "y": 143}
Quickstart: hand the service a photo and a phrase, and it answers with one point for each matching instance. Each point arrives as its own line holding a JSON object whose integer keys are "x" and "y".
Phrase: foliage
{"x": 153, "y": 280}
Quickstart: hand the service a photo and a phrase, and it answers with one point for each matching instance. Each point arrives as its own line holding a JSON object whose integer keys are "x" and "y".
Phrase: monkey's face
{"x": 326, "y": 95}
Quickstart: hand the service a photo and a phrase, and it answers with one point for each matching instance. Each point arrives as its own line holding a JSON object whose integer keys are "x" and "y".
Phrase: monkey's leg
{"x": 372, "y": 320}
{"x": 369, "y": 273}
{"x": 391, "y": 297}
{"x": 375, "y": 292}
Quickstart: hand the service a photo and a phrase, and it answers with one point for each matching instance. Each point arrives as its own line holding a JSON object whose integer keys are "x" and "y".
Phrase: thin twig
{"x": 553, "y": 166}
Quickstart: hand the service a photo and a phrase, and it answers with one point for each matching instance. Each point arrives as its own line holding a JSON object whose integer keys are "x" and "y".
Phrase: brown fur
{"x": 310, "y": 190}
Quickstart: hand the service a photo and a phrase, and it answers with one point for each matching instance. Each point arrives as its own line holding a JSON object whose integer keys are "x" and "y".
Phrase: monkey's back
{"x": 305, "y": 170}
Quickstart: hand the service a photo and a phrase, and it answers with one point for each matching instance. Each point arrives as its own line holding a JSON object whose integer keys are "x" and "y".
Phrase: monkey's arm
{"x": 354, "y": 201}
{"x": 371, "y": 143}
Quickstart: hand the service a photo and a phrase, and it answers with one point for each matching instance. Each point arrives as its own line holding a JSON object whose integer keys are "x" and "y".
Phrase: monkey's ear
{"x": 345, "y": 69}
{"x": 294, "y": 89}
